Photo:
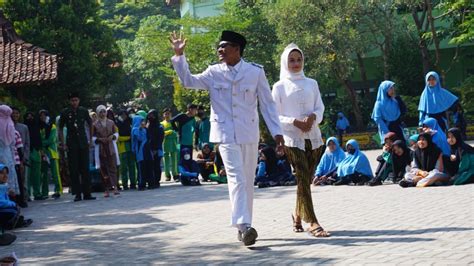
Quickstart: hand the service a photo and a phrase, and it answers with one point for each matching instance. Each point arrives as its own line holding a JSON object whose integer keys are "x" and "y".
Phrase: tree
{"x": 324, "y": 30}
{"x": 124, "y": 16}
{"x": 461, "y": 14}
{"x": 378, "y": 21}
{"x": 90, "y": 59}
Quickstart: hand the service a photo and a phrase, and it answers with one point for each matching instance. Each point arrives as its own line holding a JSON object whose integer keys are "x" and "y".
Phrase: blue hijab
{"x": 435, "y": 99}
{"x": 138, "y": 138}
{"x": 342, "y": 122}
{"x": 385, "y": 107}
{"x": 356, "y": 162}
{"x": 330, "y": 160}
{"x": 439, "y": 138}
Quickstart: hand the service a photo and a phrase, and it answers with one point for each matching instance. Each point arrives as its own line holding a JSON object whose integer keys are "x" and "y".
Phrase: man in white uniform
{"x": 234, "y": 87}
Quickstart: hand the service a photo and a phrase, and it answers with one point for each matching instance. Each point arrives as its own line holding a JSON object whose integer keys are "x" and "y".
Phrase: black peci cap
{"x": 233, "y": 37}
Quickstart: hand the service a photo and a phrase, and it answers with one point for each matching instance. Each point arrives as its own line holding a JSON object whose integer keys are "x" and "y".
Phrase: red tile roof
{"x": 20, "y": 62}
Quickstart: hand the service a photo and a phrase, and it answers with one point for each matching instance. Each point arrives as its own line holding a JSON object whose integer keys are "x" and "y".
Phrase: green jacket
{"x": 50, "y": 144}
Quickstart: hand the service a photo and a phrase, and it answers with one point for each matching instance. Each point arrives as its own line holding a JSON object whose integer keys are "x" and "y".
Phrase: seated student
{"x": 284, "y": 166}
{"x": 326, "y": 171}
{"x": 219, "y": 174}
{"x": 269, "y": 173}
{"x": 427, "y": 166}
{"x": 188, "y": 169}
{"x": 461, "y": 161}
{"x": 355, "y": 167}
{"x": 412, "y": 141}
{"x": 384, "y": 169}
{"x": 205, "y": 160}
{"x": 10, "y": 217}
{"x": 439, "y": 138}
{"x": 401, "y": 158}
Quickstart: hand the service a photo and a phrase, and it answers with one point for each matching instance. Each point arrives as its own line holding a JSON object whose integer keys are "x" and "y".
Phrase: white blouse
{"x": 297, "y": 99}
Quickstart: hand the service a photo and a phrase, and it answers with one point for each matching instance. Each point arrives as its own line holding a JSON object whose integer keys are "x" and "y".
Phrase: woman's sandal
{"x": 319, "y": 232}
{"x": 297, "y": 227}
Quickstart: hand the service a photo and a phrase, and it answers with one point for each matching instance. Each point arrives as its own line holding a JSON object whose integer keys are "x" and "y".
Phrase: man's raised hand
{"x": 178, "y": 43}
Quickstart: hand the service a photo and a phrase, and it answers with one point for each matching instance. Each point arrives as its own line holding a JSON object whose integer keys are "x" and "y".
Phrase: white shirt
{"x": 297, "y": 99}
{"x": 234, "y": 93}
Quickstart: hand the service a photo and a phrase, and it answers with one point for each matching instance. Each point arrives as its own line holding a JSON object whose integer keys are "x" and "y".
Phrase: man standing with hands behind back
{"x": 234, "y": 87}
{"x": 77, "y": 146}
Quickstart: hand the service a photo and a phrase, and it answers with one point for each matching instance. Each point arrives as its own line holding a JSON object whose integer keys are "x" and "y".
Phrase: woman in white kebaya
{"x": 300, "y": 109}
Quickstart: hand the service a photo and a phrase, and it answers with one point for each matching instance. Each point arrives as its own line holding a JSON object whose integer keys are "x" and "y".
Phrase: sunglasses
{"x": 225, "y": 44}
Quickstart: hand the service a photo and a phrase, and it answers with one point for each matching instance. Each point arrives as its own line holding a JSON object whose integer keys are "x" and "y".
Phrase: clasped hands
{"x": 306, "y": 124}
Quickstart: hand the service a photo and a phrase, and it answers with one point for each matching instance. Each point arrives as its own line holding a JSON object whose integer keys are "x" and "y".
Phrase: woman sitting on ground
{"x": 401, "y": 158}
{"x": 219, "y": 174}
{"x": 188, "y": 169}
{"x": 355, "y": 167}
{"x": 269, "y": 174}
{"x": 385, "y": 167}
{"x": 326, "y": 172}
{"x": 427, "y": 165}
{"x": 205, "y": 160}
{"x": 461, "y": 161}
{"x": 431, "y": 126}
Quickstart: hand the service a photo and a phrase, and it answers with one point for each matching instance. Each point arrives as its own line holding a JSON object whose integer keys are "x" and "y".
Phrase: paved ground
{"x": 175, "y": 224}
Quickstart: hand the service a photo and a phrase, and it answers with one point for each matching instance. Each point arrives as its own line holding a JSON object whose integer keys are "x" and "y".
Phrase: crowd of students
{"x": 432, "y": 158}
{"x": 130, "y": 150}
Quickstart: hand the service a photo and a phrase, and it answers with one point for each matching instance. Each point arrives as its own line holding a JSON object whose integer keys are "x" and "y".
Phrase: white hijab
{"x": 285, "y": 73}
{"x": 98, "y": 110}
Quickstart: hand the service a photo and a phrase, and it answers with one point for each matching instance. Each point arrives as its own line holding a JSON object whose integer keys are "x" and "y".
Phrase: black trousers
{"x": 156, "y": 168}
{"x": 78, "y": 161}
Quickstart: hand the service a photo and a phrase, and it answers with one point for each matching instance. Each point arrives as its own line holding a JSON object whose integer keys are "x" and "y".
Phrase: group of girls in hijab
{"x": 273, "y": 169}
{"x": 431, "y": 166}
{"x": 386, "y": 163}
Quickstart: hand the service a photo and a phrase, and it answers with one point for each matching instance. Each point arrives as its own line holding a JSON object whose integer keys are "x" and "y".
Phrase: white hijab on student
{"x": 285, "y": 72}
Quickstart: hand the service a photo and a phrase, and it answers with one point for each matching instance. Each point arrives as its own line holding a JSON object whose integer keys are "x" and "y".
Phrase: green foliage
{"x": 405, "y": 65}
{"x": 73, "y": 31}
{"x": 466, "y": 93}
{"x": 412, "y": 116}
{"x": 124, "y": 17}
{"x": 460, "y": 13}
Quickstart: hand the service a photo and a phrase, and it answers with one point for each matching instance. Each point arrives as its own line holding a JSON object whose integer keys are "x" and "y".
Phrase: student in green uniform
{"x": 77, "y": 146}
{"x": 170, "y": 146}
{"x": 127, "y": 159}
{"x": 203, "y": 127}
{"x": 49, "y": 140}
{"x": 34, "y": 171}
{"x": 185, "y": 124}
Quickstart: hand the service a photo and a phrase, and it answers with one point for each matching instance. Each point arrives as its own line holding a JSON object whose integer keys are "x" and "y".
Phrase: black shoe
{"x": 406, "y": 183}
{"x": 77, "y": 198}
{"x": 249, "y": 237}
{"x": 375, "y": 182}
{"x": 40, "y": 198}
{"x": 23, "y": 204}
{"x": 133, "y": 186}
{"x": 125, "y": 188}
{"x": 141, "y": 189}
{"x": 22, "y": 222}
{"x": 89, "y": 197}
{"x": 341, "y": 182}
{"x": 56, "y": 196}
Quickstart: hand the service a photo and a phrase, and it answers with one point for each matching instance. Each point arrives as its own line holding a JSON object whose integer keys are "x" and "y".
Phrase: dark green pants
{"x": 127, "y": 169}
{"x": 78, "y": 161}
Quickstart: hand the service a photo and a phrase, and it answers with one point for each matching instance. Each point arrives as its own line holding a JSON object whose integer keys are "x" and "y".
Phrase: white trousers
{"x": 240, "y": 161}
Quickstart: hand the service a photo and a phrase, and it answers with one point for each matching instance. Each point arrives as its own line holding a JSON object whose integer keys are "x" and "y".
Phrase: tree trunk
{"x": 355, "y": 103}
{"x": 362, "y": 70}
{"x": 425, "y": 55}
{"x": 433, "y": 31}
